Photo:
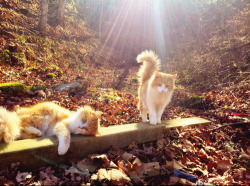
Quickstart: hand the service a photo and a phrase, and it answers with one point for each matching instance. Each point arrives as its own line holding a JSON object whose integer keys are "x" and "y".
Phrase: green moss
{"x": 37, "y": 88}
{"x": 11, "y": 84}
{"x": 31, "y": 68}
{"x": 195, "y": 102}
{"x": 111, "y": 97}
{"x": 18, "y": 55}
{"x": 18, "y": 87}
{"x": 54, "y": 66}
{"x": 11, "y": 88}
{"x": 195, "y": 97}
{"x": 51, "y": 75}
{"x": 6, "y": 50}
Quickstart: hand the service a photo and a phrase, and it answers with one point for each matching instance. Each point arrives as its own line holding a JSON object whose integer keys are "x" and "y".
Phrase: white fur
{"x": 156, "y": 101}
{"x": 83, "y": 125}
{"x": 162, "y": 88}
{"x": 62, "y": 147}
{"x": 75, "y": 120}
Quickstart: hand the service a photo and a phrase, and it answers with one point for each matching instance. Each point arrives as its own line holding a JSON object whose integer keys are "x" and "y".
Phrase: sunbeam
{"x": 139, "y": 23}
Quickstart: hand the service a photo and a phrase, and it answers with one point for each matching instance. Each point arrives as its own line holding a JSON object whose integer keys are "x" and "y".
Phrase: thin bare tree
{"x": 43, "y": 16}
{"x": 60, "y": 14}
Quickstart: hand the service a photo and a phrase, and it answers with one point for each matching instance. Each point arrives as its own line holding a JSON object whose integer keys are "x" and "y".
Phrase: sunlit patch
{"x": 134, "y": 22}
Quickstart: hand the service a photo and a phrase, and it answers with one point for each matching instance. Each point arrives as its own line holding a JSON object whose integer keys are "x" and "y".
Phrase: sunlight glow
{"x": 147, "y": 23}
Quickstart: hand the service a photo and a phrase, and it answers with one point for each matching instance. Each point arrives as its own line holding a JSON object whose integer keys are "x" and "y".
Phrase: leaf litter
{"x": 213, "y": 154}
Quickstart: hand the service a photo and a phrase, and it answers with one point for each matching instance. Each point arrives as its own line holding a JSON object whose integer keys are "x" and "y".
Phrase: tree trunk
{"x": 100, "y": 21}
{"x": 60, "y": 15}
{"x": 222, "y": 15}
{"x": 43, "y": 16}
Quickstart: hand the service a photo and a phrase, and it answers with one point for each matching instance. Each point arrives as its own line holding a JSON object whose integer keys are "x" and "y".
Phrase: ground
{"x": 215, "y": 154}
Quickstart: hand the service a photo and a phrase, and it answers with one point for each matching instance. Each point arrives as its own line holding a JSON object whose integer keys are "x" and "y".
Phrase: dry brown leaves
{"x": 183, "y": 156}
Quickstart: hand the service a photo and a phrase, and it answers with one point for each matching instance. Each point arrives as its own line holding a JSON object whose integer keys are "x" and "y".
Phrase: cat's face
{"x": 164, "y": 82}
{"x": 89, "y": 119}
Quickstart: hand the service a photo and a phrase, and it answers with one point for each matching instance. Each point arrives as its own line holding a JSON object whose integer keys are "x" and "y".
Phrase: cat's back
{"x": 45, "y": 109}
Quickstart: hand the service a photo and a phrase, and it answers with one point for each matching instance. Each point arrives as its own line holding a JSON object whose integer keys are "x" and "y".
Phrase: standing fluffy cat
{"x": 48, "y": 119}
{"x": 155, "y": 89}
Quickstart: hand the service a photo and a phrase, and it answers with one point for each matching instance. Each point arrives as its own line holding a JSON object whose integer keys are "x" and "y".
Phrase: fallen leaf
{"x": 115, "y": 176}
{"x": 87, "y": 164}
{"x": 174, "y": 164}
{"x": 224, "y": 165}
{"x": 133, "y": 145}
{"x": 106, "y": 163}
{"x": 128, "y": 156}
{"x": 146, "y": 169}
{"x": 126, "y": 167}
{"x": 161, "y": 143}
{"x": 23, "y": 176}
{"x": 203, "y": 154}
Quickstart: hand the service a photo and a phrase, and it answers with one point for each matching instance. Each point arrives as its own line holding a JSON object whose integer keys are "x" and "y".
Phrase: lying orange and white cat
{"x": 48, "y": 119}
{"x": 155, "y": 89}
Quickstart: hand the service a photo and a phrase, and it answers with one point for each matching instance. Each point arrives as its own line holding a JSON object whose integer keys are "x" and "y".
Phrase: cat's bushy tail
{"x": 9, "y": 125}
{"x": 151, "y": 63}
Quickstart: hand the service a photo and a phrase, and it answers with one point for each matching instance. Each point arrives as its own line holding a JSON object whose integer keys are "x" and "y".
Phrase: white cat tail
{"x": 10, "y": 127}
{"x": 151, "y": 64}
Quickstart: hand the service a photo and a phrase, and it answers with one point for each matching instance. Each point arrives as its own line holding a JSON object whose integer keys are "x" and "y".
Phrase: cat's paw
{"x": 144, "y": 118}
{"x": 152, "y": 122}
{"x": 62, "y": 150}
{"x": 38, "y": 133}
{"x": 158, "y": 121}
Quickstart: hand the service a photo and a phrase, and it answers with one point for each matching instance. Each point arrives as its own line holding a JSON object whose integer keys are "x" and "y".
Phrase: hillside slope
{"x": 70, "y": 52}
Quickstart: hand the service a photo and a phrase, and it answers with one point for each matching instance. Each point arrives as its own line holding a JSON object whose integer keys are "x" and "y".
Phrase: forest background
{"x": 85, "y": 51}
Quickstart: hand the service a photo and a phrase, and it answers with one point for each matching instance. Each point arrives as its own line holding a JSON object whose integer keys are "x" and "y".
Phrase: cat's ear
{"x": 174, "y": 76}
{"x": 98, "y": 114}
{"x": 97, "y": 134}
{"x": 157, "y": 74}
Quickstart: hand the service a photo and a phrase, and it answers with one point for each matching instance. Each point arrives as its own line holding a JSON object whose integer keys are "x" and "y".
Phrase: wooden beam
{"x": 117, "y": 136}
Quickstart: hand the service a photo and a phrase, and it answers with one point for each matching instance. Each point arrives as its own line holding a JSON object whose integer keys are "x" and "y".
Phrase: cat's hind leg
{"x": 143, "y": 111}
{"x": 63, "y": 135}
{"x": 33, "y": 131}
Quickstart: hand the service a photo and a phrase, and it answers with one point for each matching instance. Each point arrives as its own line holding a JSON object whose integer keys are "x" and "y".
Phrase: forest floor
{"x": 213, "y": 154}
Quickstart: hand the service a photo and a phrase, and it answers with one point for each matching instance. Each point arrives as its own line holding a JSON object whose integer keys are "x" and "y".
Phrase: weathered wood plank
{"x": 116, "y": 136}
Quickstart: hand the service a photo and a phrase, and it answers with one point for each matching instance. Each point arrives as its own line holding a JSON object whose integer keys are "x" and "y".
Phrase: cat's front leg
{"x": 152, "y": 116}
{"x": 159, "y": 114}
{"x": 63, "y": 135}
{"x": 64, "y": 143}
